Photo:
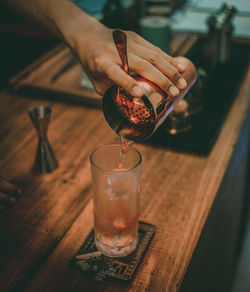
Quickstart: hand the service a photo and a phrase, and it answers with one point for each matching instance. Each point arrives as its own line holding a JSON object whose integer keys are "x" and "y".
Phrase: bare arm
{"x": 92, "y": 43}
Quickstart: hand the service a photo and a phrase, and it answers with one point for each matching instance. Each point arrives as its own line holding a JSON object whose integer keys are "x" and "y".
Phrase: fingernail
{"x": 182, "y": 82}
{"x": 137, "y": 91}
{"x": 181, "y": 67}
{"x": 173, "y": 90}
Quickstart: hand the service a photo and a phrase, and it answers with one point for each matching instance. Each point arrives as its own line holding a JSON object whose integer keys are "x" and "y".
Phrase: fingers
{"x": 179, "y": 66}
{"x": 146, "y": 44}
{"x": 9, "y": 192}
{"x": 146, "y": 69}
{"x": 6, "y": 200}
{"x": 104, "y": 67}
{"x": 118, "y": 76}
{"x": 162, "y": 65}
{"x": 150, "y": 72}
{"x": 8, "y": 187}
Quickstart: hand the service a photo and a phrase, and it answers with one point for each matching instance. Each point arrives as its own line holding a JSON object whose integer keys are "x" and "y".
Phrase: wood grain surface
{"x": 40, "y": 234}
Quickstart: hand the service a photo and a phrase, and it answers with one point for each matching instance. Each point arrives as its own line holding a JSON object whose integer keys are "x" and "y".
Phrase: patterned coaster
{"x": 94, "y": 263}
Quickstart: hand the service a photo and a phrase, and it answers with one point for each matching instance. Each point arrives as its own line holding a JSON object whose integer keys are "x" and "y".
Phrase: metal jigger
{"x": 45, "y": 160}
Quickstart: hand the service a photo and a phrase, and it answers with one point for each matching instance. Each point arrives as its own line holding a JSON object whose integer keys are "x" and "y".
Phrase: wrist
{"x": 81, "y": 30}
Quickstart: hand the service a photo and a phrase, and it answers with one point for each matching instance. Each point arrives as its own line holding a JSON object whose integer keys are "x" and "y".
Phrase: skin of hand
{"x": 93, "y": 44}
{"x": 101, "y": 62}
{"x": 9, "y": 192}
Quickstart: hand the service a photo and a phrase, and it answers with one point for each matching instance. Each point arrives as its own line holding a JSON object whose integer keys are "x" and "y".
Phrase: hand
{"x": 92, "y": 42}
{"x": 9, "y": 192}
{"x": 101, "y": 62}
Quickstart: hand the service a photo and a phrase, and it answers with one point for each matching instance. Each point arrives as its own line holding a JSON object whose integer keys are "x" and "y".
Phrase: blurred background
{"x": 214, "y": 34}
{"x": 21, "y": 43}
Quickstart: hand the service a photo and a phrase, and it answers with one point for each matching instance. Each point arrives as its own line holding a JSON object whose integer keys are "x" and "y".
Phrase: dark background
{"x": 21, "y": 43}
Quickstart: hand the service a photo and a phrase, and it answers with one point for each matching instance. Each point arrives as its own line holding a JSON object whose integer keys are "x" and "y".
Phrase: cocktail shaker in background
{"x": 220, "y": 25}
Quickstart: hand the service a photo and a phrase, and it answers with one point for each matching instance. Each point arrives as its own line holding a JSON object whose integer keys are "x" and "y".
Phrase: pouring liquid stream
{"x": 120, "y": 40}
{"x": 125, "y": 143}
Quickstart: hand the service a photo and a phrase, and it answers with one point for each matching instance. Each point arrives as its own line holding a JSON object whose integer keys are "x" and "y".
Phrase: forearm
{"x": 92, "y": 42}
{"x": 59, "y": 17}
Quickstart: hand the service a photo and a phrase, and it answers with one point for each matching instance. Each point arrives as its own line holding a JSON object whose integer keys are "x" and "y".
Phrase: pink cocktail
{"x": 116, "y": 199}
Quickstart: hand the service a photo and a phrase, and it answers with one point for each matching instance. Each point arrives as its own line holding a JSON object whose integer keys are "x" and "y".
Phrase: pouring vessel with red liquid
{"x": 138, "y": 118}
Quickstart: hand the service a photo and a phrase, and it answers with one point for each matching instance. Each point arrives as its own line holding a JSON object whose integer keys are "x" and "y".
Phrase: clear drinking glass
{"x": 116, "y": 199}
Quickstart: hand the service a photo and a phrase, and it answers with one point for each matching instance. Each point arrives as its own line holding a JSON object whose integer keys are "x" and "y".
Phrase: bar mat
{"x": 95, "y": 264}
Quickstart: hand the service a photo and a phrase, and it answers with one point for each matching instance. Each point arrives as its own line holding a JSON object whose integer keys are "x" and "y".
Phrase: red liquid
{"x": 116, "y": 215}
{"x": 116, "y": 228}
{"x": 124, "y": 150}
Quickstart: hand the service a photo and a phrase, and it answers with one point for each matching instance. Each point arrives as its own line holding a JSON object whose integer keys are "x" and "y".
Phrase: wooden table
{"x": 40, "y": 234}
